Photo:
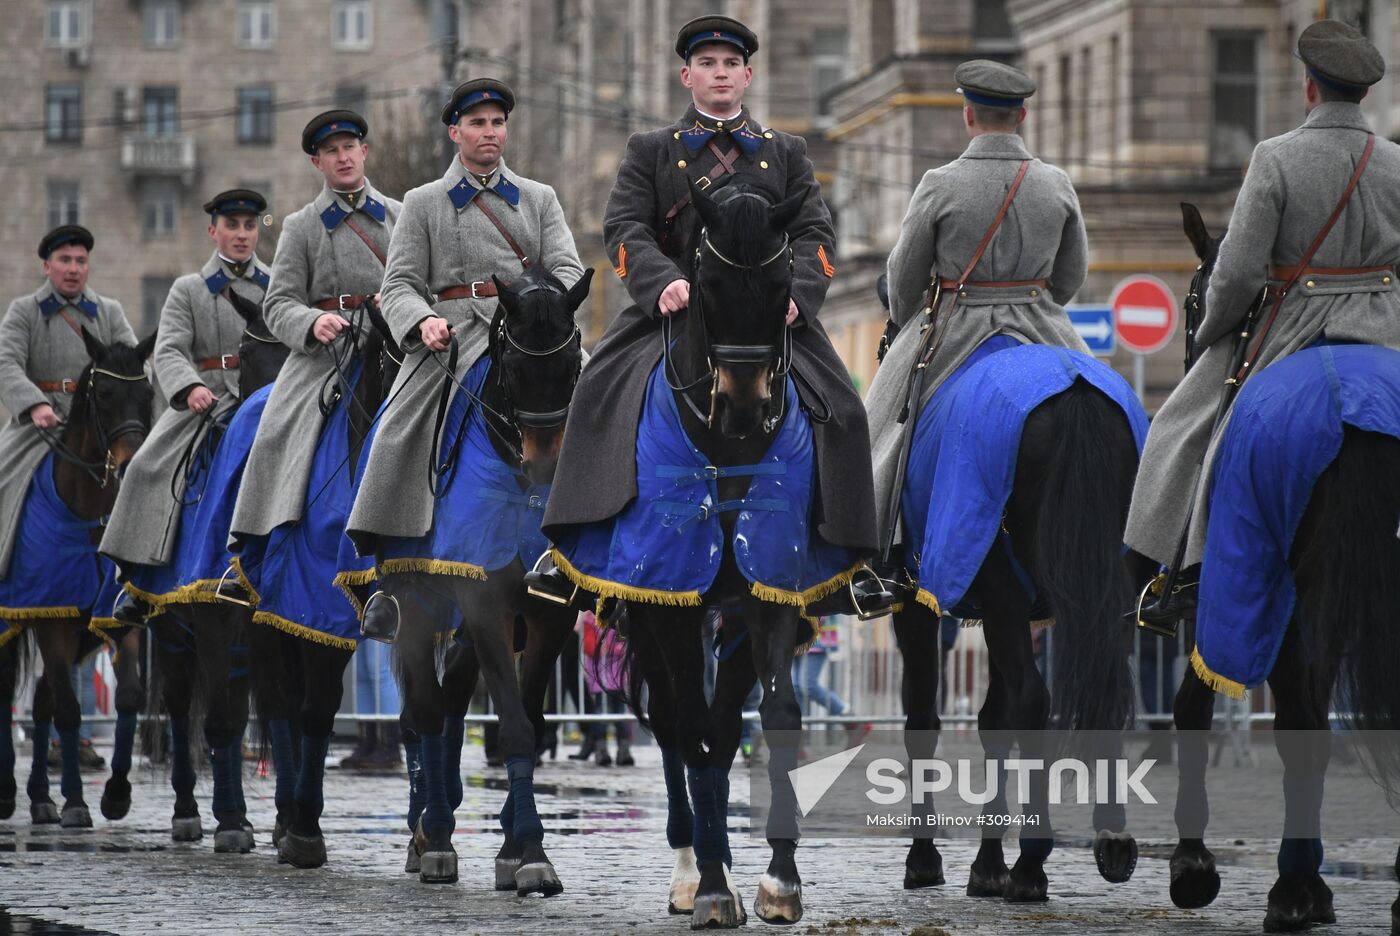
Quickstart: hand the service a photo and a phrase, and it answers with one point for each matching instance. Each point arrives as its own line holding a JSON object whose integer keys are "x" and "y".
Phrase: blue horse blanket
{"x": 1285, "y": 429}
{"x": 56, "y": 571}
{"x": 291, "y": 571}
{"x": 962, "y": 459}
{"x": 666, "y": 546}
{"x": 485, "y": 517}
{"x": 201, "y": 554}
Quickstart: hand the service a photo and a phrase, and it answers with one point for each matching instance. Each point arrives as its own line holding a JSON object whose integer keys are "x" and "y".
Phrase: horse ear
{"x": 781, "y": 215}
{"x": 509, "y": 300}
{"x": 145, "y": 346}
{"x": 249, "y": 311}
{"x": 579, "y": 291}
{"x": 882, "y": 289}
{"x": 95, "y": 349}
{"x": 1195, "y": 229}
{"x": 709, "y": 211}
{"x": 494, "y": 332}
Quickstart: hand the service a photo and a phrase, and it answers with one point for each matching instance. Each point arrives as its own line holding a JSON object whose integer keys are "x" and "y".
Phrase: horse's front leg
{"x": 58, "y": 645}
{"x": 773, "y": 633}
{"x": 9, "y": 676}
{"x": 916, "y": 630}
{"x": 271, "y": 657}
{"x": 130, "y": 697}
{"x": 221, "y": 657}
{"x": 459, "y": 678}
{"x": 304, "y": 846}
{"x": 1194, "y": 879}
{"x": 174, "y": 656}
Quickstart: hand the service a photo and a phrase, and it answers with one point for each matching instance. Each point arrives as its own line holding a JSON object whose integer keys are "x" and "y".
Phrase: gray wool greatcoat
{"x": 318, "y": 257}
{"x": 35, "y": 345}
{"x": 1041, "y": 238}
{"x": 197, "y": 324}
{"x": 1293, "y": 184}
{"x": 593, "y": 482}
{"x": 442, "y": 241}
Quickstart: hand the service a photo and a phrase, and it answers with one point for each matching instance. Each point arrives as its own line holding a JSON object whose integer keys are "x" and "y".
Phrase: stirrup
{"x": 382, "y": 628}
{"x": 873, "y": 599}
{"x": 1163, "y": 615}
{"x": 231, "y": 591}
{"x": 543, "y": 583}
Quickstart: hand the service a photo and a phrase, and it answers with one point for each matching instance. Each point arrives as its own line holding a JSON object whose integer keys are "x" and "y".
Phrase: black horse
{"x": 1342, "y": 639}
{"x": 535, "y": 356}
{"x": 200, "y": 652}
{"x": 109, "y": 420}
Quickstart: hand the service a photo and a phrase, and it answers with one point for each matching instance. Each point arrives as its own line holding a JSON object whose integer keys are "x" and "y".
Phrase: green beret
{"x": 63, "y": 236}
{"x": 328, "y": 124}
{"x": 706, "y": 29}
{"x": 982, "y": 81}
{"x": 236, "y": 201}
{"x": 1339, "y": 55}
{"x": 477, "y": 91}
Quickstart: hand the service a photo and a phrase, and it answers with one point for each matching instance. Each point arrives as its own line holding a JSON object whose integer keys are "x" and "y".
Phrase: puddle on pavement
{"x": 17, "y": 924}
{"x": 57, "y": 845}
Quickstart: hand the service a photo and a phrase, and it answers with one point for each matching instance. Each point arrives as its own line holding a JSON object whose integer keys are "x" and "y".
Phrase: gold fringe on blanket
{"x": 1213, "y": 679}
{"x": 347, "y": 583}
{"x": 606, "y": 589}
{"x": 37, "y": 614}
{"x": 302, "y": 631}
{"x": 430, "y": 567}
{"x": 14, "y": 631}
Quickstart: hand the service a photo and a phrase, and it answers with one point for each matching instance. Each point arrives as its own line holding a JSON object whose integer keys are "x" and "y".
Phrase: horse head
{"x": 741, "y": 284}
{"x": 260, "y": 354}
{"x": 112, "y": 406}
{"x": 1207, "y": 250}
{"x": 536, "y": 352}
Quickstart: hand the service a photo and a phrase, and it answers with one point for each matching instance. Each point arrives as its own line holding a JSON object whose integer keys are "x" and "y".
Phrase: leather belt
{"x": 222, "y": 362}
{"x": 57, "y": 386}
{"x": 1284, "y": 274}
{"x": 342, "y": 303}
{"x": 995, "y": 284}
{"x": 481, "y": 289}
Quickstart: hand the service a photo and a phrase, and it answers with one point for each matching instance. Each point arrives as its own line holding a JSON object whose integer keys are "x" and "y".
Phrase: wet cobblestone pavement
{"x": 605, "y": 834}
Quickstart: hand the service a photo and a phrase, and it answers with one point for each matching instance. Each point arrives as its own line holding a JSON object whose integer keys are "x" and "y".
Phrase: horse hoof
{"x": 1027, "y": 884}
{"x": 233, "y": 841}
{"x": 538, "y": 877}
{"x": 302, "y": 851}
{"x": 991, "y": 883}
{"x": 1323, "y": 911}
{"x": 778, "y": 901}
{"x": 437, "y": 867}
{"x": 1395, "y": 918}
{"x": 685, "y": 881}
{"x": 505, "y": 873}
{"x": 186, "y": 829}
{"x": 413, "y": 863}
{"x": 1116, "y": 854}
{"x": 724, "y": 910}
{"x": 1290, "y": 906}
{"x": 1194, "y": 881}
{"x": 924, "y": 872}
{"x": 43, "y": 813}
{"x": 7, "y": 807}
{"x": 76, "y": 817}
{"x": 115, "y": 809}
{"x": 279, "y": 832}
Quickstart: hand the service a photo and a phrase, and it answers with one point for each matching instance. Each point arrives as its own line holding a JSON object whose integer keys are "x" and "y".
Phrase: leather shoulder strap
{"x": 378, "y": 254}
{"x": 996, "y": 222}
{"x": 71, "y": 324}
{"x": 723, "y": 166}
{"x": 480, "y": 202}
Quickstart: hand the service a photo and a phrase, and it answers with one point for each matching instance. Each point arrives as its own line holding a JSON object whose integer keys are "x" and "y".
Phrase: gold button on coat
{"x": 763, "y": 164}
{"x": 681, "y": 165}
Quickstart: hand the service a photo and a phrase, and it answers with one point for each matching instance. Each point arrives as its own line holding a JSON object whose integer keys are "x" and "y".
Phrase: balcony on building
{"x": 167, "y": 155}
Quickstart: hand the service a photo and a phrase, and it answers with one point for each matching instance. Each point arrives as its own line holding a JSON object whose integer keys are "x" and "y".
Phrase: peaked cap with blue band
{"x": 469, "y": 94}
{"x": 993, "y": 84}
{"x": 327, "y": 124}
{"x": 235, "y": 201}
{"x": 62, "y": 236}
{"x": 1340, "y": 56}
{"x": 705, "y": 29}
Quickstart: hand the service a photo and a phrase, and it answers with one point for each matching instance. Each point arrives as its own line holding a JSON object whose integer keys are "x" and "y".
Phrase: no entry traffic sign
{"x": 1144, "y": 314}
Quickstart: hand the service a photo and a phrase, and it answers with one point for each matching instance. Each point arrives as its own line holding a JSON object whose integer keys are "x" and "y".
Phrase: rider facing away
{"x": 1346, "y": 293}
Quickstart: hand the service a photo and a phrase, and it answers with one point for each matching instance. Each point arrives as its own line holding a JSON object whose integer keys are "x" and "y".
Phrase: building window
{"x": 829, "y": 60}
{"x": 67, "y": 26}
{"x": 990, "y": 21}
{"x": 257, "y": 24}
{"x": 1234, "y": 123}
{"x": 63, "y": 114}
{"x": 352, "y": 97}
{"x": 160, "y": 111}
{"x": 1086, "y": 94}
{"x": 63, "y": 203}
{"x": 160, "y": 23}
{"x": 1352, "y": 12}
{"x": 1066, "y": 126}
{"x": 160, "y": 200}
{"x": 1115, "y": 94}
{"x": 154, "y": 290}
{"x": 351, "y": 24}
{"x": 255, "y": 115}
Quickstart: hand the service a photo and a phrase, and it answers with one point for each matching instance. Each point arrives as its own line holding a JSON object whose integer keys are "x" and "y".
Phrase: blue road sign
{"x": 1095, "y": 326}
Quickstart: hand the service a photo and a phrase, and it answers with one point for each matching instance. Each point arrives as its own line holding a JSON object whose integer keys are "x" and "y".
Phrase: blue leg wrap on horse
{"x": 782, "y": 815}
{"x": 311, "y": 776}
{"x": 997, "y": 805}
{"x": 722, "y": 798}
{"x": 122, "y": 743}
{"x": 709, "y": 826}
{"x": 507, "y": 816}
{"x": 680, "y": 821}
{"x": 38, "y": 785}
{"x": 417, "y": 795}
{"x": 1299, "y": 857}
{"x": 72, "y": 783}
{"x": 236, "y": 771}
{"x": 284, "y": 762}
{"x": 453, "y": 732}
{"x": 7, "y": 743}
{"x": 223, "y": 761}
{"x": 436, "y": 814}
{"x": 527, "y": 825}
{"x": 182, "y": 776}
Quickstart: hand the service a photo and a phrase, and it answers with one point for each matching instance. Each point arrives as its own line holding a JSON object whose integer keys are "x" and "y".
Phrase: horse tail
{"x": 1348, "y": 603}
{"x": 1085, "y": 458}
